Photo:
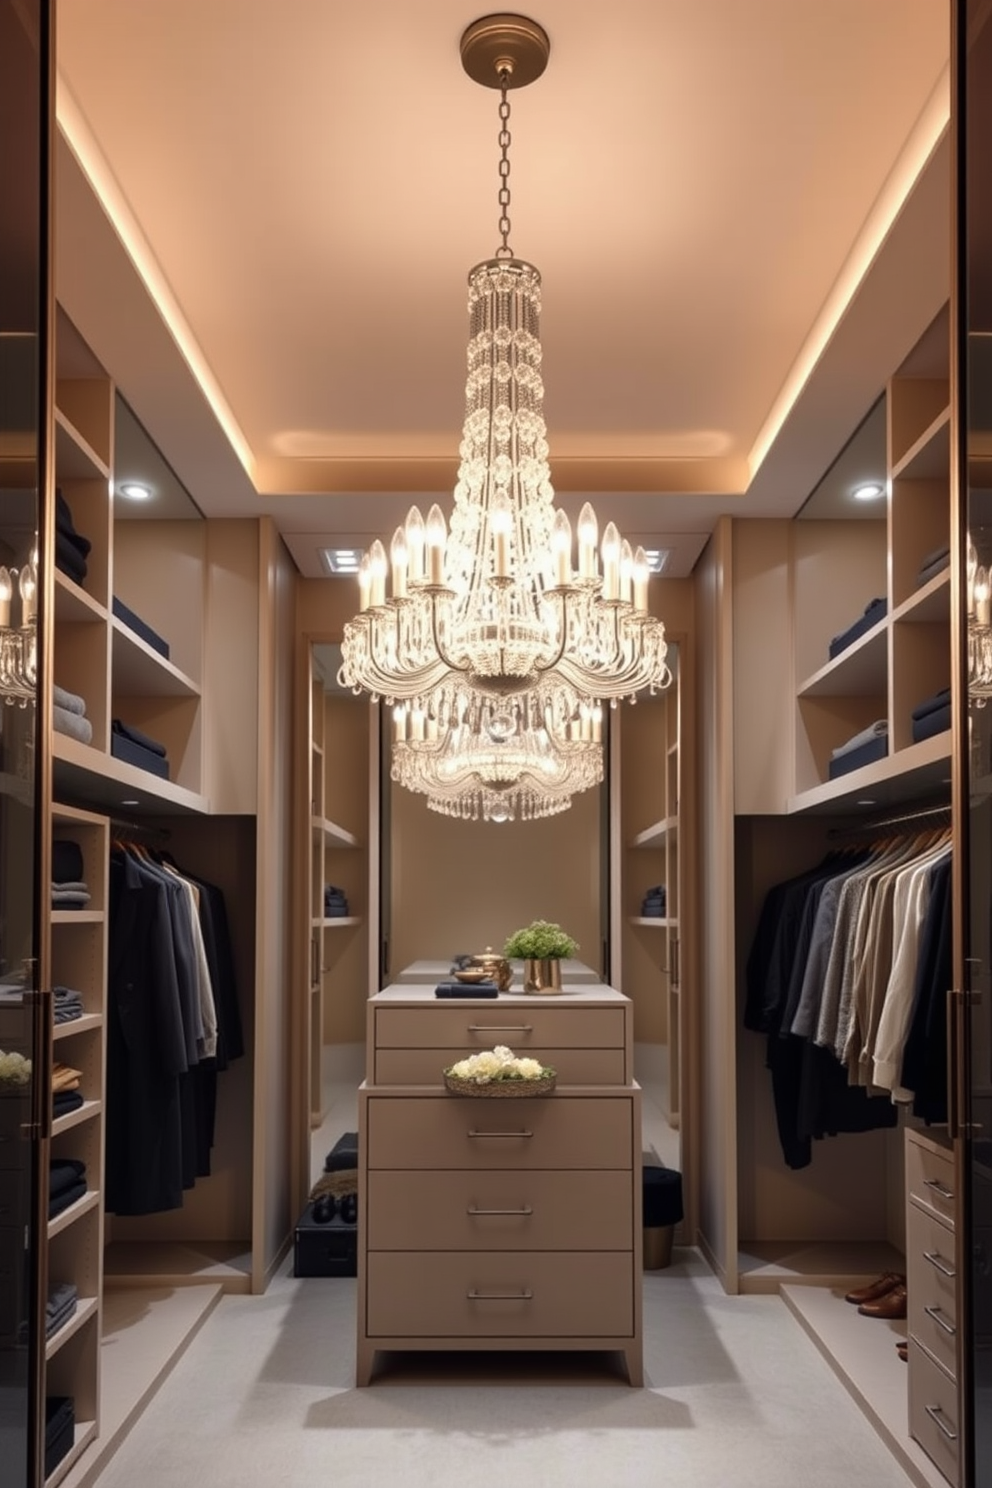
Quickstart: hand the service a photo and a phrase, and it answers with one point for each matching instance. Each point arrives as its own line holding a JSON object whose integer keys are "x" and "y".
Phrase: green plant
{"x": 541, "y": 940}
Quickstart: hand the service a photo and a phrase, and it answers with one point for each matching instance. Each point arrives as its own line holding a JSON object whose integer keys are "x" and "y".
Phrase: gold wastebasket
{"x": 662, "y": 1212}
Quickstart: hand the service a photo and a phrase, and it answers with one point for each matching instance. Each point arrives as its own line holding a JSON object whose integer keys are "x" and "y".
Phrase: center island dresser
{"x": 499, "y": 1223}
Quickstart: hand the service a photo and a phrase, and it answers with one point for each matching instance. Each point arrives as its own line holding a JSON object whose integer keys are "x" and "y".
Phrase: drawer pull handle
{"x": 500, "y": 1134}
{"x": 524, "y": 1296}
{"x": 938, "y": 1262}
{"x": 940, "y": 1320}
{"x": 937, "y": 1416}
{"x": 501, "y": 1028}
{"x": 940, "y": 1189}
{"x": 474, "y": 1211}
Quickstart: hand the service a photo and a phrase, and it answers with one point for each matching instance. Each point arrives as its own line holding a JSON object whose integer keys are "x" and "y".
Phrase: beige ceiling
{"x": 702, "y": 183}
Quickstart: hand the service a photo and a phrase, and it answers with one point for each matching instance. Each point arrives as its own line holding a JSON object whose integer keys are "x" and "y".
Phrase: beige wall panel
{"x": 764, "y": 763}
{"x": 159, "y": 571}
{"x": 324, "y": 605}
{"x": 839, "y": 567}
{"x": 272, "y": 1217}
{"x": 231, "y": 701}
{"x": 460, "y": 886}
{"x": 715, "y": 1158}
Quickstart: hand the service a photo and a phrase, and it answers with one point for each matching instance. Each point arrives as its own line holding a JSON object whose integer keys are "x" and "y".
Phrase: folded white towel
{"x": 72, "y": 723}
{"x": 876, "y": 730}
{"x": 70, "y": 701}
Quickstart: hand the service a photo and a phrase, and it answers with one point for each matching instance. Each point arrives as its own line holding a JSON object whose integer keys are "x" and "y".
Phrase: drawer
{"x": 523, "y": 1027}
{"x": 932, "y": 1286}
{"x": 532, "y": 1210}
{"x": 933, "y": 1412}
{"x": 492, "y": 1294}
{"x": 930, "y": 1179}
{"x": 573, "y": 1066}
{"x": 450, "y": 1131}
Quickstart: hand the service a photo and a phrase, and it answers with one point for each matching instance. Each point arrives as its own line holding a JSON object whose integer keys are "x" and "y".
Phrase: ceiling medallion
{"x": 489, "y": 605}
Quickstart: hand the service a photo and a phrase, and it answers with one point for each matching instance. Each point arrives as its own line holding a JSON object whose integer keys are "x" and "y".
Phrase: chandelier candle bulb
{"x": 436, "y": 535}
{"x": 416, "y": 725}
{"x": 6, "y": 595}
{"x": 378, "y": 568}
{"x": 561, "y": 547}
{"x": 611, "y": 562}
{"x": 364, "y": 582}
{"x": 500, "y": 523}
{"x": 641, "y": 575}
{"x": 432, "y": 729}
{"x": 399, "y": 724}
{"x": 399, "y": 557}
{"x": 588, "y": 538}
{"x": 982, "y": 591}
{"x": 29, "y": 594}
{"x": 597, "y": 724}
{"x": 415, "y": 544}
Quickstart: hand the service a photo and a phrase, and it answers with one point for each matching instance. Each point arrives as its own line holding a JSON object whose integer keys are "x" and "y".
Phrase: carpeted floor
{"x": 736, "y": 1397}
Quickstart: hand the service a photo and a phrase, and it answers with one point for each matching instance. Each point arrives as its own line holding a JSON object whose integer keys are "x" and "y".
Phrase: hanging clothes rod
{"x": 138, "y": 831}
{"x": 925, "y": 816}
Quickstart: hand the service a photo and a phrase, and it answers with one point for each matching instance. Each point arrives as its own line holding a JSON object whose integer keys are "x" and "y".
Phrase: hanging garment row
{"x": 173, "y": 1023}
{"x": 847, "y": 976}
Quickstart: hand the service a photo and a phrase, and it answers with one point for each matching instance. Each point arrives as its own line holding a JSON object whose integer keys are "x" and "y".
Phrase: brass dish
{"x": 500, "y": 1089}
{"x": 472, "y": 974}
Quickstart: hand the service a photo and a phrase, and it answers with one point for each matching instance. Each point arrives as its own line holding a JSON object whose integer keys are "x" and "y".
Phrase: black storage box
{"x": 329, "y": 1249}
{"x": 60, "y": 1430}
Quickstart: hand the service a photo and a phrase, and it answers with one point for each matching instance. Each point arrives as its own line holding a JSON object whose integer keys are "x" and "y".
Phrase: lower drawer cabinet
{"x": 932, "y": 1286}
{"x": 496, "y": 1294}
{"x": 500, "y": 1210}
{"x": 452, "y": 1132}
{"x": 933, "y": 1412}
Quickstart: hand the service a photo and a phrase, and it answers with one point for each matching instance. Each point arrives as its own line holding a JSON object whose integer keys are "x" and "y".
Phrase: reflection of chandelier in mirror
{"x": 493, "y": 605}
{"x": 19, "y": 643}
{"x": 979, "y": 628}
{"x": 497, "y": 760}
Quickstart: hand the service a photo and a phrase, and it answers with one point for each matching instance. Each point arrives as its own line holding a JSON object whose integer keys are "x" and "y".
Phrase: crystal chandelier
{"x": 979, "y": 640}
{"x": 497, "y": 764}
{"x": 493, "y": 604}
{"x": 19, "y": 643}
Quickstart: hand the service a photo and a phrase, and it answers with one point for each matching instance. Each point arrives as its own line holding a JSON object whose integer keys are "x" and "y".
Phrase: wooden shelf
{"x": 331, "y": 832}
{"x": 930, "y": 456}
{"x": 138, "y": 670}
{"x": 930, "y": 605}
{"x": 86, "y": 1308}
{"x": 75, "y": 1211}
{"x": 75, "y": 458}
{"x": 77, "y": 1025}
{"x": 920, "y": 770}
{"x": 655, "y": 835}
{"x": 86, "y": 1112}
{"x": 77, "y": 916}
{"x": 859, "y": 670}
{"x": 652, "y": 921}
{"x": 85, "y": 1432}
{"x": 73, "y": 606}
{"x": 91, "y": 775}
{"x": 335, "y": 922}
{"x": 184, "y": 1264}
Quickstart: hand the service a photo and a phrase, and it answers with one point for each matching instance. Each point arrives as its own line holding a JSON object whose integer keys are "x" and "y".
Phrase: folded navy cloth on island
{"x": 73, "y": 724}
{"x": 128, "y": 731}
{"x": 466, "y": 989}
{"x": 875, "y": 610}
{"x": 67, "y": 861}
{"x": 140, "y": 627}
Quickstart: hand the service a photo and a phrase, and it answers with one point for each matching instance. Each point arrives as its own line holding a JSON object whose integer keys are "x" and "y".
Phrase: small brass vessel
{"x": 495, "y": 966}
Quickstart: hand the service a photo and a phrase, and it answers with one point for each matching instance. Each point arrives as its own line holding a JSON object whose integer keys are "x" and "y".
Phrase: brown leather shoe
{"x": 876, "y": 1288}
{"x": 890, "y": 1305}
{"x": 902, "y": 1349}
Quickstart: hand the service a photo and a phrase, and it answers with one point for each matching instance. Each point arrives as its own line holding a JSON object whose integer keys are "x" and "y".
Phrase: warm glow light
{"x": 870, "y": 491}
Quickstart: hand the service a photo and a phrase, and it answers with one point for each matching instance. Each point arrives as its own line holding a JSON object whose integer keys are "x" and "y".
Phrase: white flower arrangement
{"x": 497, "y": 1064}
{"x": 14, "y": 1069}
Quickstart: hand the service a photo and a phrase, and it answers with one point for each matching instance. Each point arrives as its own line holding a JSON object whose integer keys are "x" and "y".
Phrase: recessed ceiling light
{"x": 657, "y": 558}
{"x": 134, "y": 491}
{"x": 866, "y": 802}
{"x": 869, "y": 491}
{"x": 131, "y": 803}
{"x": 341, "y": 560}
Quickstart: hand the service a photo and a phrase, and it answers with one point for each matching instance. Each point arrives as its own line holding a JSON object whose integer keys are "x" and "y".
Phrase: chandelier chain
{"x": 504, "y": 250}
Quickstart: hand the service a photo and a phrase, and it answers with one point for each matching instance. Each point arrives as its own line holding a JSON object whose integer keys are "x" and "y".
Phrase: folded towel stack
{"x": 65, "y": 1101}
{"x": 137, "y": 748}
{"x": 71, "y": 548}
{"x": 870, "y": 744}
{"x": 875, "y": 610}
{"x": 66, "y": 1183}
{"x": 934, "y": 563}
{"x": 64, "y": 1077}
{"x": 335, "y": 903}
{"x": 932, "y": 716}
{"x": 466, "y": 989}
{"x": 654, "y": 902}
{"x": 69, "y": 715}
{"x": 68, "y": 1004}
{"x": 69, "y": 888}
{"x": 61, "y": 1304}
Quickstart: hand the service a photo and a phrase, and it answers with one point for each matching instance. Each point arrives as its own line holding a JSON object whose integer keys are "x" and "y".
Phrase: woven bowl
{"x": 500, "y": 1089}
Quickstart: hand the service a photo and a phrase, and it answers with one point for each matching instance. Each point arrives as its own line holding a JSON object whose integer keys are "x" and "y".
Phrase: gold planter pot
{"x": 542, "y": 975}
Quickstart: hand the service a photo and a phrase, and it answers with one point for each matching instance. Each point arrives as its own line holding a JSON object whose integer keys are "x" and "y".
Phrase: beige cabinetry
{"x": 934, "y": 1323}
{"x": 477, "y": 1225}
